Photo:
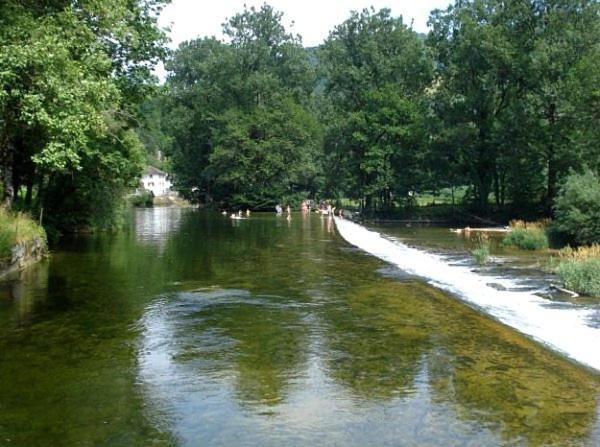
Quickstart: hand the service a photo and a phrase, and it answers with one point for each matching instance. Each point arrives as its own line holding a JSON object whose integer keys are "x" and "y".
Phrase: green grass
{"x": 582, "y": 276}
{"x": 442, "y": 197}
{"x": 527, "y": 238}
{"x": 16, "y": 228}
{"x": 482, "y": 248}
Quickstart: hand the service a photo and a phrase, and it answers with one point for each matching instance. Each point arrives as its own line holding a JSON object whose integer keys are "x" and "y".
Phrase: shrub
{"x": 145, "y": 199}
{"x": 577, "y": 208}
{"x": 581, "y": 276}
{"x": 527, "y": 238}
{"x": 482, "y": 248}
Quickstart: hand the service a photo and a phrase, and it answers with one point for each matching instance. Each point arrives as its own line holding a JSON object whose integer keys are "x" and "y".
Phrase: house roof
{"x": 151, "y": 170}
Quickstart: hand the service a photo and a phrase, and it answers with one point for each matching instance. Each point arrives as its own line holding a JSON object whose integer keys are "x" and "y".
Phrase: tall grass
{"x": 16, "y": 228}
{"x": 482, "y": 248}
{"x": 579, "y": 269}
{"x": 580, "y": 253}
{"x": 528, "y": 235}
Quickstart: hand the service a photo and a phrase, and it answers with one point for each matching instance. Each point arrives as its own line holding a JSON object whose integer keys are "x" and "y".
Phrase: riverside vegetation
{"x": 19, "y": 230}
{"x": 482, "y": 248}
{"x": 493, "y": 102}
{"x": 580, "y": 269}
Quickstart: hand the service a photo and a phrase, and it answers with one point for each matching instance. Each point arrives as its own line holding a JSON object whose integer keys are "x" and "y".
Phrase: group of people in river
{"x": 324, "y": 209}
{"x": 288, "y": 209}
{"x": 239, "y": 215}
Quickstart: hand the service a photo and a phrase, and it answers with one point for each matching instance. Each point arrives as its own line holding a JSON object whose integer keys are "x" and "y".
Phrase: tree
{"x": 71, "y": 73}
{"x": 376, "y": 71}
{"x": 513, "y": 85}
{"x": 577, "y": 208}
{"x": 478, "y": 75}
{"x": 243, "y": 131}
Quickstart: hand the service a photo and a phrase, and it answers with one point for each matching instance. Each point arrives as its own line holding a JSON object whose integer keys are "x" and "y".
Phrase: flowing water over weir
{"x": 188, "y": 329}
{"x": 568, "y": 330}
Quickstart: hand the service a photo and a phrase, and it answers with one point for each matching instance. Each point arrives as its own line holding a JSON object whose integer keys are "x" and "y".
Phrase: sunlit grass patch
{"x": 16, "y": 228}
{"x": 528, "y": 235}
{"x": 579, "y": 269}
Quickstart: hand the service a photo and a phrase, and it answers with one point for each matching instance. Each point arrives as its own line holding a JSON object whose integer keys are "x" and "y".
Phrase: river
{"x": 189, "y": 329}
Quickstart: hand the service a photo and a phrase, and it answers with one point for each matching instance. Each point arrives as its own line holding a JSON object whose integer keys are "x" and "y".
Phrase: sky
{"x": 312, "y": 19}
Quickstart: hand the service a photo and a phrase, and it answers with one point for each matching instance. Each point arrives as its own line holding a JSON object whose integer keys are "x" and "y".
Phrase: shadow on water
{"x": 189, "y": 329}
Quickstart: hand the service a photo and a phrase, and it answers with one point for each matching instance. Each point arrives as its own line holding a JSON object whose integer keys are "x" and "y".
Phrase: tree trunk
{"x": 552, "y": 168}
{"x": 29, "y": 194}
{"x": 497, "y": 187}
{"x": 552, "y": 180}
{"x": 7, "y": 176}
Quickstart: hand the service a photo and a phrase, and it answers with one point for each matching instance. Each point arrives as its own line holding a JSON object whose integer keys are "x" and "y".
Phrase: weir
{"x": 566, "y": 329}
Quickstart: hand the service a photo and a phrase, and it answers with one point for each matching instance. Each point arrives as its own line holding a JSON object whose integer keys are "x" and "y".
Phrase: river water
{"x": 190, "y": 329}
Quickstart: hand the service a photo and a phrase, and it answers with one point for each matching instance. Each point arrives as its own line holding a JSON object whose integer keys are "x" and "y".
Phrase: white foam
{"x": 563, "y": 329}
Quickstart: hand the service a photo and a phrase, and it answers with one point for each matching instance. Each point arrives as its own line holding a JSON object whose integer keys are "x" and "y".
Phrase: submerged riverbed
{"x": 190, "y": 329}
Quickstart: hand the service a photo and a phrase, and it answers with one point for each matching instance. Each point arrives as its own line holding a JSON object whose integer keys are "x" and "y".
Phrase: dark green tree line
{"x": 512, "y": 94}
{"x": 501, "y": 99}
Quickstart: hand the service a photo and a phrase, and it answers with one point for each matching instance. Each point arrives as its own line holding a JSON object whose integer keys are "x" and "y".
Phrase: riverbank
{"x": 22, "y": 242}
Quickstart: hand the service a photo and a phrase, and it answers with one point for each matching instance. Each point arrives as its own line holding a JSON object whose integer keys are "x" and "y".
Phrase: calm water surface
{"x": 191, "y": 330}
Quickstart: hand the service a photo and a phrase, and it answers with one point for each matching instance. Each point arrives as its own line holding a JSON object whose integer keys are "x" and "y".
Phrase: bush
{"x": 577, "y": 208}
{"x": 527, "y": 238}
{"x": 581, "y": 276}
{"x": 482, "y": 248}
{"x": 145, "y": 199}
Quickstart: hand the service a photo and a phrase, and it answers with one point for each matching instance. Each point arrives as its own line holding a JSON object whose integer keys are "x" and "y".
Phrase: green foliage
{"x": 527, "y": 238}
{"x": 17, "y": 228}
{"x": 577, "y": 208}
{"x": 243, "y": 133}
{"x": 71, "y": 75}
{"x": 514, "y": 90}
{"x": 482, "y": 248}
{"x": 152, "y": 132}
{"x": 582, "y": 276}
{"x": 376, "y": 72}
{"x": 142, "y": 200}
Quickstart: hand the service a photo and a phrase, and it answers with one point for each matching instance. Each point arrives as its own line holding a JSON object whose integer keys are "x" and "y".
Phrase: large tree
{"x": 243, "y": 131}
{"x": 71, "y": 73}
{"x": 376, "y": 71}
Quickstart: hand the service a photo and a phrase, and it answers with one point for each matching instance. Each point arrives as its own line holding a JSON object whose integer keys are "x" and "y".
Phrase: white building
{"x": 156, "y": 181}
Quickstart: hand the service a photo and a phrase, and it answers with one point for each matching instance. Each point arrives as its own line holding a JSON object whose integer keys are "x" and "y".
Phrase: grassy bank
{"x": 15, "y": 229}
{"x": 579, "y": 269}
